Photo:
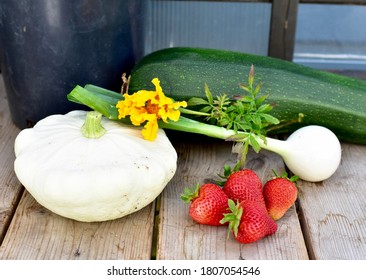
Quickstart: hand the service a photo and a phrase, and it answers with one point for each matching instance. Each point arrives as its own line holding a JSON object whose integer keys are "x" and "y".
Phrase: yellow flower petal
{"x": 158, "y": 88}
{"x": 149, "y": 106}
{"x": 142, "y": 96}
{"x": 150, "y": 130}
{"x": 176, "y": 105}
{"x": 139, "y": 116}
{"x": 174, "y": 115}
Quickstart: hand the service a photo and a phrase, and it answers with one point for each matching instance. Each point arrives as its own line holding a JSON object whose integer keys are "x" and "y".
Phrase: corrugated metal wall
{"x": 223, "y": 25}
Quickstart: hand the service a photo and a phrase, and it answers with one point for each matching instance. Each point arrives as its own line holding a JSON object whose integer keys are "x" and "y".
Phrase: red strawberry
{"x": 208, "y": 204}
{"x": 280, "y": 193}
{"x": 249, "y": 221}
{"x": 244, "y": 185}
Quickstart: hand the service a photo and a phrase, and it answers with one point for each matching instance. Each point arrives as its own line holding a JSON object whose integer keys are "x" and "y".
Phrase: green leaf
{"x": 254, "y": 143}
{"x": 261, "y": 99}
{"x": 244, "y": 126}
{"x": 190, "y": 193}
{"x": 263, "y": 138}
{"x": 251, "y": 76}
{"x": 229, "y": 125}
{"x": 247, "y": 99}
{"x": 244, "y": 152}
{"x": 244, "y": 87}
{"x": 194, "y": 101}
{"x": 206, "y": 109}
{"x": 224, "y": 122}
{"x": 270, "y": 119}
{"x": 208, "y": 94}
{"x": 257, "y": 89}
{"x": 264, "y": 108}
{"x": 294, "y": 178}
{"x": 232, "y": 205}
{"x": 256, "y": 119}
{"x": 238, "y": 137}
{"x": 227, "y": 170}
{"x": 234, "y": 217}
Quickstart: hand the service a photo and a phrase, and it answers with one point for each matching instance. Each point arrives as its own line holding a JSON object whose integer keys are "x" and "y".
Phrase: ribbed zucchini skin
{"x": 327, "y": 99}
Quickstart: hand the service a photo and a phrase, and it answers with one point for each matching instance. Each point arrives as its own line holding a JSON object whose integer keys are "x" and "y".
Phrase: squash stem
{"x": 92, "y": 127}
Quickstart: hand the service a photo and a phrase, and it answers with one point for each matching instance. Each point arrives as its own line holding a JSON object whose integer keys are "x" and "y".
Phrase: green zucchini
{"x": 331, "y": 100}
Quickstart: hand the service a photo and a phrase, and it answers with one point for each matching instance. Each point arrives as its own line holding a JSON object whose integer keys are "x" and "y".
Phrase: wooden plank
{"x": 333, "y": 211}
{"x": 181, "y": 238}
{"x": 283, "y": 28}
{"x": 36, "y": 233}
{"x": 10, "y": 188}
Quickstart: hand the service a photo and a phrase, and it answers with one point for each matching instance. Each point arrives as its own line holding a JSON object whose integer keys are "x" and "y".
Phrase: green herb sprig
{"x": 245, "y": 113}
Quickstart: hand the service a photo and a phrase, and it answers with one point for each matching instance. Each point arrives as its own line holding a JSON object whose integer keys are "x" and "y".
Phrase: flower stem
{"x": 192, "y": 112}
{"x": 92, "y": 127}
{"x": 188, "y": 125}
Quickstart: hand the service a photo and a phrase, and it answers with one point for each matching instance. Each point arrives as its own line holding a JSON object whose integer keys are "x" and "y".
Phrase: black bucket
{"x": 49, "y": 46}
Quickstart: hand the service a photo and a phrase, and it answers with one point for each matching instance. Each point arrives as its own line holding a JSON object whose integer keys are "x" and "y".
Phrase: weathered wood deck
{"x": 328, "y": 222}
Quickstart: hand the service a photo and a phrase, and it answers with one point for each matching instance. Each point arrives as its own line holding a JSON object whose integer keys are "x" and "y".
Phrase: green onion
{"x": 313, "y": 153}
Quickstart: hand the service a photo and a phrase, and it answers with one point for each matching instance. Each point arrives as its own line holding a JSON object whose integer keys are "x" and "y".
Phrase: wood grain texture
{"x": 36, "y": 233}
{"x": 10, "y": 188}
{"x": 334, "y": 211}
{"x": 182, "y": 238}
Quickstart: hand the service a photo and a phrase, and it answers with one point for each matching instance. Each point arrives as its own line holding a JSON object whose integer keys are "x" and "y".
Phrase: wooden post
{"x": 283, "y": 28}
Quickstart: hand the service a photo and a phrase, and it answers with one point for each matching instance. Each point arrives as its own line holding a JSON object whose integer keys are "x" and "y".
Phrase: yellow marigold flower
{"x": 149, "y": 106}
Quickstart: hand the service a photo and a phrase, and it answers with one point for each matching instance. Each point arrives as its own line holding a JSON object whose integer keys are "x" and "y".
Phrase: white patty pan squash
{"x": 92, "y": 179}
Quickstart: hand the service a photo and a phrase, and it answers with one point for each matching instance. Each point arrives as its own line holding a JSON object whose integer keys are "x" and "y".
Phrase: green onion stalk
{"x": 104, "y": 101}
{"x": 313, "y": 152}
